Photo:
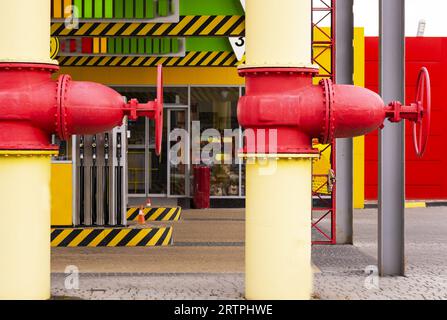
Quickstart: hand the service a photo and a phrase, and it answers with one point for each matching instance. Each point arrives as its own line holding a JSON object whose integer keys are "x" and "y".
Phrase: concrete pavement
{"x": 207, "y": 262}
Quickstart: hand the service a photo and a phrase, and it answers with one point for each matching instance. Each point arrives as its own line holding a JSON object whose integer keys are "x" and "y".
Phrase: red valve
{"x": 152, "y": 110}
{"x": 421, "y": 127}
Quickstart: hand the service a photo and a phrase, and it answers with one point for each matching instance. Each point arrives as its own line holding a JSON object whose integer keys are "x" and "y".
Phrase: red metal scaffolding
{"x": 324, "y": 209}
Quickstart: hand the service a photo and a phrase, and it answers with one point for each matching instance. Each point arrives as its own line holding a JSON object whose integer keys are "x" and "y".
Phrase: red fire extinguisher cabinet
{"x": 202, "y": 176}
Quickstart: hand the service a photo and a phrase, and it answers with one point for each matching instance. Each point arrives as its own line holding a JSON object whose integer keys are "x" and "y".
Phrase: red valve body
{"x": 33, "y": 106}
{"x": 286, "y": 100}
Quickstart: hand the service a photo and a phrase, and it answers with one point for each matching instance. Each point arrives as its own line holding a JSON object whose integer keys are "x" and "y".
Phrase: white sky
{"x": 366, "y": 14}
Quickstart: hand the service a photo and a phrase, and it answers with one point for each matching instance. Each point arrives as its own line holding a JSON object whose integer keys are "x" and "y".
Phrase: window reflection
{"x": 216, "y": 108}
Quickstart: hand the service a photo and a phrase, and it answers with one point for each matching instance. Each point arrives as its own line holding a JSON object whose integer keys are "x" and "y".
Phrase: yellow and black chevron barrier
{"x": 191, "y": 59}
{"x": 155, "y": 214}
{"x": 225, "y": 26}
{"x": 111, "y": 237}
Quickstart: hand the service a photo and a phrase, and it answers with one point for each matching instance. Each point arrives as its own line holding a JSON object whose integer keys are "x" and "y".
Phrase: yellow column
{"x": 25, "y": 31}
{"x": 278, "y": 228}
{"x": 25, "y": 224}
{"x": 278, "y": 192}
{"x": 278, "y": 33}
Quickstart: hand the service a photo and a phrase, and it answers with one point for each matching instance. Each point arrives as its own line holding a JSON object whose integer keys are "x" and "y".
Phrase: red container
{"x": 202, "y": 176}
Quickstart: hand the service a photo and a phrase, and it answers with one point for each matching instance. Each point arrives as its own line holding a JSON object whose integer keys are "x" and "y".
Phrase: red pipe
{"x": 285, "y": 100}
{"x": 33, "y": 106}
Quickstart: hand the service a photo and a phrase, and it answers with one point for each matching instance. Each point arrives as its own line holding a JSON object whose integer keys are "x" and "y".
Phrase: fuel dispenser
{"x": 100, "y": 178}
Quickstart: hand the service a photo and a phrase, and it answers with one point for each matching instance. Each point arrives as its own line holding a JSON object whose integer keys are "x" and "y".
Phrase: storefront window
{"x": 216, "y": 108}
{"x": 148, "y": 172}
{"x": 135, "y": 158}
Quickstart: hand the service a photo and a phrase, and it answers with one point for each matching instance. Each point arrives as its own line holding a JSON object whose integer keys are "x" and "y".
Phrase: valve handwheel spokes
{"x": 421, "y": 127}
{"x": 159, "y": 111}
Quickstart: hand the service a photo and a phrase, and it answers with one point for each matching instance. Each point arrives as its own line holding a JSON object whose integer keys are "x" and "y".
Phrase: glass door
{"x": 157, "y": 166}
{"x": 178, "y": 154}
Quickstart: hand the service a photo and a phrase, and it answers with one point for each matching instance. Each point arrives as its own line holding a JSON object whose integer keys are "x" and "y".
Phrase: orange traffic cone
{"x": 141, "y": 219}
{"x": 148, "y": 202}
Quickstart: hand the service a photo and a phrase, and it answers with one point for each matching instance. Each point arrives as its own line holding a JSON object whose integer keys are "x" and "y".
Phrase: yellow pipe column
{"x": 279, "y": 188}
{"x": 278, "y": 233}
{"x": 278, "y": 33}
{"x": 25, "y": 224}
{"x": 25, "y": 175}
{"x": 25, "y": 31}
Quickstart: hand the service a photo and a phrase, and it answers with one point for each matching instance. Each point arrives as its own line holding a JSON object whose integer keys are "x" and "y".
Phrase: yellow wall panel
{"x": 359, "y": 142}
{"x": 61, "y": 194}
{"x": 148, "y": 76}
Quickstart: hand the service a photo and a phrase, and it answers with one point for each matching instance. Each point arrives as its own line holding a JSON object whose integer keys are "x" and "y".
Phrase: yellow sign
{"x": 54, "y": 47}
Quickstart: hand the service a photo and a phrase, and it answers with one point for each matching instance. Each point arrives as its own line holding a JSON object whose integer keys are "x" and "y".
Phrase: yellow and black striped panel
{"x": 224, "y": 26}
{"x": 155, "y": 214}
{"x": 111, "y": 237}
{"x": 191, "y": 59}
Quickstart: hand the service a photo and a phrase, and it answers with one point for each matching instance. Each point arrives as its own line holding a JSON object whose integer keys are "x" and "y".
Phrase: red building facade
{"x": 426, "y": 178}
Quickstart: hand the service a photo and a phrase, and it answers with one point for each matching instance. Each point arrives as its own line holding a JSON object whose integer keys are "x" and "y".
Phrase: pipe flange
{"x": 29, "y": 66}
{"x": 328, "y": 130}
{"x": 62, "y": 88}
{"x": 243, "y": 71}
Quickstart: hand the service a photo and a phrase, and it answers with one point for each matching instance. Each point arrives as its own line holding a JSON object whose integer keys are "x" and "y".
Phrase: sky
{"x": 366, "y": 14}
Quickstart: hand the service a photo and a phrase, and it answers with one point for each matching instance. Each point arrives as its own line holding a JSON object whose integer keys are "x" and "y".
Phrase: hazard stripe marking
{"x": 191, "y": 59}
{"x": 143, "y": 242}
{"x": 155, "y": 214}
{"x": 111, "y": 237}
{"x": 233, "y": 26}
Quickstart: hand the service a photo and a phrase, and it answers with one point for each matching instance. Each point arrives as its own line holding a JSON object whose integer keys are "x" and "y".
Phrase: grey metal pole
{"x": 344, "y": 151}
{"x": 391, "y": 252}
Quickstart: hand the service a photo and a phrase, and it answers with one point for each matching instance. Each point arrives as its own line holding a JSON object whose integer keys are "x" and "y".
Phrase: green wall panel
{"x": 129, "y": 9}
{"x": 119, "y": 9}
{"x": 156, "y": 45}
{"x": 98, "y": 9}
{"x": 88, "y": 9}
{"x": 207, "y": 44}
{"x": 126, "y": 45}
{"x": 211, "y": 7}
{"x": 141, "y": 45}
{"x": 78, "y": 4}
{"x": 175, "y": 45}
{"x": 119, "y": 45}
{"x": 148, "y": 45}
{"x": 163, "y": 7}
{"x": 108, "y": 5}
{"x": 165, "y": 45}
{"x": 150, "y": 9}
{"x": 111, "y": 45}
{"x": 139, "y": 9}
{"x": 133, "y": 45}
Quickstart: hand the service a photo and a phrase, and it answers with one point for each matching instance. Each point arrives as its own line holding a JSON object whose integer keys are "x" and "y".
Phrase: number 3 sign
{"x": 238, "y": 43}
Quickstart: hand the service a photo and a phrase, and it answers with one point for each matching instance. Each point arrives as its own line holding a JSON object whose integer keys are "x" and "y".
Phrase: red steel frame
{"x": 325, "y": 12}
